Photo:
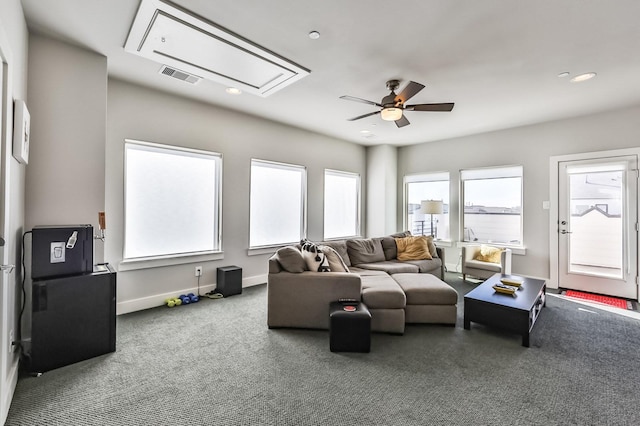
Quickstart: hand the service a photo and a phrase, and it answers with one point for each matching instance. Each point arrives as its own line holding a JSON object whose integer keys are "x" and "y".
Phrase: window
{"x": 427, "y": 187}
{"x": 492, "y": 200}
{"x": 341, "y": 204}
{"x": 172, "y": 201}
{"x": 278, "y": 200}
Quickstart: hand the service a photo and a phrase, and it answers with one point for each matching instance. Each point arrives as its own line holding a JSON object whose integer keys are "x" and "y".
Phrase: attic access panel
{"x": 173, "y": 36}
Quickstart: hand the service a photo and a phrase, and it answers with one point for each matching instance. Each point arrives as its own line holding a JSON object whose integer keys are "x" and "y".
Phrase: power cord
{"x": 211, "y": 294}
{"x": 24, "y": 291}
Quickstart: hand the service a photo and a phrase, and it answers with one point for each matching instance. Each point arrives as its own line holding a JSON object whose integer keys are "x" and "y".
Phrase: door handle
{"x": 564, "y": 231}
{"x": 7, "y": 268}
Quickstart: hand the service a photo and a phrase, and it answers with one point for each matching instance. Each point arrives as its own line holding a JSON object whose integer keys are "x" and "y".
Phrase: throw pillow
{"x": 413, "y": 248}
{"x": 314, "y": 257}
{"x": 341, "y": 247}
{"x": 290, "y": 259}
{"x": 336, "y": 263}
{"x": 432, "y": 247}
{"x": 488, "y": 254}
{"x": 363, "y": 250}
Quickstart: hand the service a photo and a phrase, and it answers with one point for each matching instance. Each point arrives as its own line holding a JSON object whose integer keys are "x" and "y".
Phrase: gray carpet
{"x": 216, "y": 363}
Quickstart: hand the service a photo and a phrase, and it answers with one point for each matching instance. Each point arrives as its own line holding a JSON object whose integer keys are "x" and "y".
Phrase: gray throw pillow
{"x": 365, "y": 251}
{"x": 291, "y": 260}
{"x": 389, "y": 244}
{"x": 336, "y": 263}
{"x": 340, "y": 246}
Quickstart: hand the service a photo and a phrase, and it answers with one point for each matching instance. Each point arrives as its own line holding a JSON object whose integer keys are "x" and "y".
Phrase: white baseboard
{"x": 155, "y": 300}
{"x": 12, "y": 381}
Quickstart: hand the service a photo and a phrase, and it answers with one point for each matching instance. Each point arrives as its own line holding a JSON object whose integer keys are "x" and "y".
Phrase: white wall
{"x": 138, "y": 113}
{"x": 530, "y": 146}
{"x": 14, "y": 39}
{"x": 382, "y": 174}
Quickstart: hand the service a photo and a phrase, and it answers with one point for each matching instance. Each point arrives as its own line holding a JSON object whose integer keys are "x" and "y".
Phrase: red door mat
{"x": 607, "y": 300}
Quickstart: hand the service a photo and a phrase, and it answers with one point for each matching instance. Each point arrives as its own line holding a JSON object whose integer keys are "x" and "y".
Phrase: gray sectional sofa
{"x": 396, "y": 292}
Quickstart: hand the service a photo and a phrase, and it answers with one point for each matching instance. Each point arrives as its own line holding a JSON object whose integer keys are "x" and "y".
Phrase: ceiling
{"x": 498, "y": 60}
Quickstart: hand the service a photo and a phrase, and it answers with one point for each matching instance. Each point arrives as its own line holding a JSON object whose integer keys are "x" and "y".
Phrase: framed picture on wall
{"x": 21, "y": 130}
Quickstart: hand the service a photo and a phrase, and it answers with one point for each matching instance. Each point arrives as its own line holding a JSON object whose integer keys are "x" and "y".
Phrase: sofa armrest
{"x": 443, "y": 268}
{"x": 302, "y": 300}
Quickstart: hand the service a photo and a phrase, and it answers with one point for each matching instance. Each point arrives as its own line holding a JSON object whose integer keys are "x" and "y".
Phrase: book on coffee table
{"x": 514, "y": 282}
{"x": 505, "y": 289}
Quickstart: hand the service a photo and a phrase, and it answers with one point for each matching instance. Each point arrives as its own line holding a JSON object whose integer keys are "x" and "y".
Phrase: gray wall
{"x": 68, "y": 98}
{"x": 530, "y": 146}
{"x": 138, "y": 113}
{"x": 14, "y": 39}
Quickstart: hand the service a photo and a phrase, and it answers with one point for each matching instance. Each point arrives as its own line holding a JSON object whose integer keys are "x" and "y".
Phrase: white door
{"x": 597, "y": 225}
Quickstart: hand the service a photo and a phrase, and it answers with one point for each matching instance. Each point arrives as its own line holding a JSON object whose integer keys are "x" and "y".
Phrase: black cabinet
{"x": 73, "y": 319}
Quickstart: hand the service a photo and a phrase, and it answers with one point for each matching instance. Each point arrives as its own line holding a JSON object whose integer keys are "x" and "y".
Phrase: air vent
{"x": 180, "y": 75}
{"x": 168, "y": 34}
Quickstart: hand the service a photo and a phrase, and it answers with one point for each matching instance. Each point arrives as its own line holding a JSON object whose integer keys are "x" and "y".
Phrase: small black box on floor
{"x": 229, "y": 280}
{"x": 349, "y": 327}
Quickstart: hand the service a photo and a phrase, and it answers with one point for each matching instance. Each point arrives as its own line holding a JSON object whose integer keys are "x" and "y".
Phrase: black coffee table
{"x": 513, "y": 313}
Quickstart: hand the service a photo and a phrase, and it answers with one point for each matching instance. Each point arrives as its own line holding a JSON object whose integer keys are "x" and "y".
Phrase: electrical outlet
{"x": 11, "y": 345}
{"x": 198, "y": 271}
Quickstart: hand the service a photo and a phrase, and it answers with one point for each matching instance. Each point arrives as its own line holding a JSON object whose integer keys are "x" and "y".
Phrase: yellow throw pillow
{"x": 488, "y": 254}
{"x": 413, "y": 248}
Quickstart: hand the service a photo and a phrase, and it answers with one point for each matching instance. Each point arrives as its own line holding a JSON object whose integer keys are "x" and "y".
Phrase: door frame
{"x": 554, "y": 181}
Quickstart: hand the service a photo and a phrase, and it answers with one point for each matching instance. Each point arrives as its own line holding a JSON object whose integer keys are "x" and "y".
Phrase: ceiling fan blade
{"x": 402, "y": 121}
{"x": 409, "y": 91}
{"x": 364, "y": 101}
{"x": 363, "y": 116}
{"x": 446, "y": 107}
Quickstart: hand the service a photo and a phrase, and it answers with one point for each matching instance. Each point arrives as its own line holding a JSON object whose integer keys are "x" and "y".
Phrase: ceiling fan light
{"x": 391, "y": 114}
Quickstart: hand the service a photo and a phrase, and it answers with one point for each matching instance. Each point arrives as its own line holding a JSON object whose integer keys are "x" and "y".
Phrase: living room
{"x": 81, "y": 115}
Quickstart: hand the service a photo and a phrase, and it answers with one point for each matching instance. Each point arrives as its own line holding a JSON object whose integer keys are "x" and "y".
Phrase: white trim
{"x": 156, "y": 300}
{"x": 134, "y": 264}
{"x": 517, "y": 250}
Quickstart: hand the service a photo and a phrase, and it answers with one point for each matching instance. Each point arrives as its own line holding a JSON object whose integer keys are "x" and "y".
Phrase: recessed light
{"x": 314, "y": 35}
{"x": 365, "y": 132}
{"x": 564, "y": 74}
{"x": 583, "y": 77}
{"x": 233, "y": 91}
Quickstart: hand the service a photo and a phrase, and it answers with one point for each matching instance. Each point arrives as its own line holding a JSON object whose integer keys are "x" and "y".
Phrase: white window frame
{"x": 356, "y": 176}
{"x": 183, "y": 257}
{"x": 260, "y": 249}
{"x": 497, "y": 172}
{"x": 419, "y": 178}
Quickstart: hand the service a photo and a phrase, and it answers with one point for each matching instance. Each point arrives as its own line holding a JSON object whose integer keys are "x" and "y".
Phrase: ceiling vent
{"x": 170, "y": 35}
{"x": 180, "y": 75}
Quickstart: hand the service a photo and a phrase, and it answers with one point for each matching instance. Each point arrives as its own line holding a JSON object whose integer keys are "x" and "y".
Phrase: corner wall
{"x": 382, "y": 175}
{"x": 14, "y": 39}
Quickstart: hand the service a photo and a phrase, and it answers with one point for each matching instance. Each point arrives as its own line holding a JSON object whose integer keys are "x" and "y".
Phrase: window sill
{"x": 517, "y": 250}
{"x": 443, "y": 243}
{"x": 264, "y": 250}
{"x": 135, "y": 264}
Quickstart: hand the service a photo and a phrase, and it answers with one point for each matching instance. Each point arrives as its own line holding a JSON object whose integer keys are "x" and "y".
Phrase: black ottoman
{"x": 349, "y": 331}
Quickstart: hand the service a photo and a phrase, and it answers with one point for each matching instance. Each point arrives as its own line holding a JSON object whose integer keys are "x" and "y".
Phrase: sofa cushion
{"x": 336, "y": 264}
{"x": 391, "y": 267}
{"x": 413, "y": 248}
{"x": 366, "y": 272}
{"x": 426, "y": 265}
{"x": 382, "y": 292}
{"x": 425, "y": 289}
{"x": 290, "y": 259}
{"x": 363, "y": 250}
{"x": 341, "y": 247}
{"x": 487, "y": 266}
{"x": 389, "y": 244}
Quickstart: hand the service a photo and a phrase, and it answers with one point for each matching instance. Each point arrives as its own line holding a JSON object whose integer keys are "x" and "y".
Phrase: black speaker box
{"x": 229, "y": 280}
